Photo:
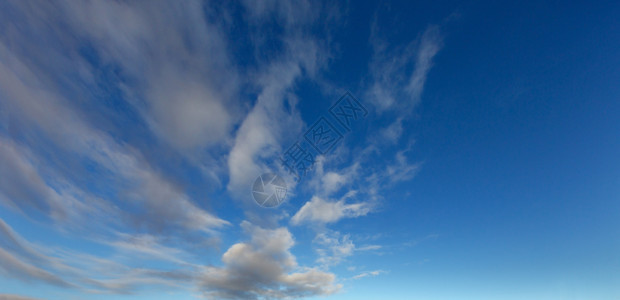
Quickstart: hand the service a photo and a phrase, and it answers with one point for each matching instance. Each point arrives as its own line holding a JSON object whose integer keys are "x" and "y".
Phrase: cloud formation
{"x": 265, "y": 268}
{"x": 112, "y": 129}
{"x": 14, "y": 297}
{"x": 368, "y": 274}
{"x": 274, "y": 119}
{"x": 177, "y": 58}
{"x": 322, "y": 211}
{"x": 30, "y": 89}
{"x": 33, "y": 263}
{"x": 399, "y": 75}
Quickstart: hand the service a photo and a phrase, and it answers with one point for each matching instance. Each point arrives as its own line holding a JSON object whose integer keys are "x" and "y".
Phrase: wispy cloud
{"x": 115, "y": 111}
{"x": 322, "y": 211}
{"x": 32, "y": 262}
{"x": 13, "y": 266}
{"x": 274, "y": 118}
{"x": 368, "y": 274}
{"x": 399, "y": 75}
{"x": 14, "y": 297}
{"x": 37, "y": 105}
{"x": 184, "y": 84}
{"x": 333, "y": 248}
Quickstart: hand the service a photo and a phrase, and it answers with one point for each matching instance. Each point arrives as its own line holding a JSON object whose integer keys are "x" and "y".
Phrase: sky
{"x": 454, "y": 150}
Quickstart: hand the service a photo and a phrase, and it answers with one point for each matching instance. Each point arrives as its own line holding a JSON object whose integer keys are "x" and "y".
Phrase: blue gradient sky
{"x": 487, "y": 167}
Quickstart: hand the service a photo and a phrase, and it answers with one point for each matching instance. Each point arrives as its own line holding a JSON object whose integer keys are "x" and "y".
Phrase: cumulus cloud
{"x": 263, "y": 268}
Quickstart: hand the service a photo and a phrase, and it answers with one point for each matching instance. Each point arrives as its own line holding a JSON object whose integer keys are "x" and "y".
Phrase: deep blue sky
{"x": 487, "y": 167}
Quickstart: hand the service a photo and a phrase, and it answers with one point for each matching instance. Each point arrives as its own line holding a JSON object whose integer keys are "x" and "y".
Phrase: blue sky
{"x": 487, "y": 166}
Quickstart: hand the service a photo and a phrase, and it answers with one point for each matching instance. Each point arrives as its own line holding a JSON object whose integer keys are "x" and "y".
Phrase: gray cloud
{"x": 185, "y": 86}
{"x": 30, "y": 262}
{"x": 11, "y": 265}
{"x": 50, "y": 113}
{"x": 12, "y": 241}
{"x": 23, "y": 187}
{"x": 171, "y": 66}
{"x": 15, "y": 297}
{"x": 264, "y": 268}
{"x": 20, "y": 184}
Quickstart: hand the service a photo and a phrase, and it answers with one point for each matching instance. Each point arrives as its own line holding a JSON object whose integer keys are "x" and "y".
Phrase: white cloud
{"x": 332, "y": 248}
{"x": 396, "y": 74}
{"x": 399, "y": 76}
{"x": 322, "y": 211}
{"x": 274, "y": 118}
{"x": 326, "y": 183}
{"x": 401, "y": 72}
{"x": 260, "y": 134}
{"x": 401, "y": 169}
{"x": 265, "y": 268}
{"x": 430, "y": 44}
{"x": 369, "y": 248}
{"x": 393, "y": 132}
{"x": 367, "y": 274}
